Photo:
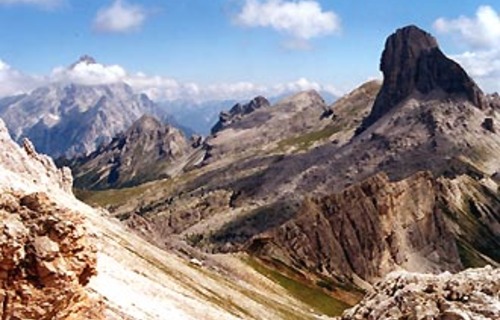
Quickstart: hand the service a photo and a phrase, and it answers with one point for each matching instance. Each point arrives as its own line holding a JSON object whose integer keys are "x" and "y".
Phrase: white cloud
{"x": 483, "y": 66}
{"x": 304, "y": 19}
{"x": 14, "y": 82}
{"x": 481, "y": 32}
{"x": 40, "y": 3}
{"x": 89, "y": 74}
{"x": 120, "y": 17}
{"x": 158, "y": 88}
{"x": 480, "y": 35}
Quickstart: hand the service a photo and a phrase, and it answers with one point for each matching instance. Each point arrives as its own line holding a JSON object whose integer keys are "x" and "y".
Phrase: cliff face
{"x": 30, "y": 165}
{"x": 369, "y": 229}
{"x": 412, "y": 62}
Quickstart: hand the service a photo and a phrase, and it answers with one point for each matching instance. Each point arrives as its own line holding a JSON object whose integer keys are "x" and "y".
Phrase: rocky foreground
{"x": 46, "y": 259}
{"x": 473, "y": 294}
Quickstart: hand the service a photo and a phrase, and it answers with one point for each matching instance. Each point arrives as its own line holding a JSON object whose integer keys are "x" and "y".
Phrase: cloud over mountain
{"x": 156, "y": 87}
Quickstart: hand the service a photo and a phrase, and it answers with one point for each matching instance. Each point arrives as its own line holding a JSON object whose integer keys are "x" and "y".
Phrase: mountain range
{"x": 298, "y": 202}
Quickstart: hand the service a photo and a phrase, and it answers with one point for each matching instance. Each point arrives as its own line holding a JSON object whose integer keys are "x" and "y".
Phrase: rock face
{"x": 369, "y": 229}
{"x": 46, "y": 259}
{"x": 471, "y": 294}
{"x": 148, "y": 150}
{"x": 412, "y": 62}
{"x": 29, "y": 164}
{"x": 238, "y": 111}
{"x": 70, "y": 119}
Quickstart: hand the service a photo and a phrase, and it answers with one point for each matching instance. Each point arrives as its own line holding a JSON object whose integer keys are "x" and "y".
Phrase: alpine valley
{"x": 384, "y": 204}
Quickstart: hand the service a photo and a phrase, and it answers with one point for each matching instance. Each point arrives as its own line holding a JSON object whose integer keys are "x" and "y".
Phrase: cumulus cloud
{"x": 482, "y": 31}
{"x": 120, "y": 17}
{"x": 158, "y": 88}
{"x": 483, "y": 66}
{"x": 40, "y": 3}
{"x": 15, "y": 82}
{"x": 89, "y": 74}
{"x": 303, "y": 20}
{"x": 481, "y": 37}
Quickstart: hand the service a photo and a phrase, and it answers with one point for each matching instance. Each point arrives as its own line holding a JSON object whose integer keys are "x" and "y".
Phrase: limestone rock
{"x": 412, "y": 62}
{"x": 369, "y": 230}
{"x": 28, "y": 163}
{"x": 239, "y": 110}
{"x": 471, "y": 294}
{"x": 46, "y": 259}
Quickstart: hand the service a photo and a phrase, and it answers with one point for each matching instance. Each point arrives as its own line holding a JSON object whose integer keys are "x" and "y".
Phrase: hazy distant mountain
{"x": 71, "y": 119}
{"x": 198, "y": 116}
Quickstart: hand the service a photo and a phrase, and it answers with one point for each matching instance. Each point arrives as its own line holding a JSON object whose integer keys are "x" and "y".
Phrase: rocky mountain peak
{"x": 84, "y": 59}
{"x": 145, "y": 123}
{"x": 238, "y": 111}
{"x": 412, "y": 62}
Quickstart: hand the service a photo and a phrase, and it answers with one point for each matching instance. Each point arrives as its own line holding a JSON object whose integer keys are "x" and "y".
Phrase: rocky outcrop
{"x": 471, "y": 294}
{"x": 29, "y": 164}
{"x": 238, "y": 111}
{"x": 412, "y": 62}
{"x": 148, "y": 150}
{"x": 369, "y": 230}
{"x": 46, "y": 259}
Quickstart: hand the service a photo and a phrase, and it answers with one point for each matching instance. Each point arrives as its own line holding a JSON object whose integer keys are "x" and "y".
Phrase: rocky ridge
{"x": 471, "y": 294}
{"x": 237, "y": 111}
{"x": 147, "y": 150}
{"x": 251, "y": 128}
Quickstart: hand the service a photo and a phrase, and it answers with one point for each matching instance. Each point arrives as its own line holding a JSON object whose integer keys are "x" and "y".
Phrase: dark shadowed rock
{"x": 238, "y": 111}
{"x": 489, "y": 125}
{"x": 412, "y": 61}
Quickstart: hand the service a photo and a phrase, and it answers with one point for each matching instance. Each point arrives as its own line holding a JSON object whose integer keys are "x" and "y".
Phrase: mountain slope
{"x": 147, "y": 150}
{"x": 136, "y": 280}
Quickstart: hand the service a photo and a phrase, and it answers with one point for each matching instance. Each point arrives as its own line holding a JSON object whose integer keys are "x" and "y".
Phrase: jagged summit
{"x": 412, "y": 61}
{"x": 145, "y": 123}
{"x": 239, "y": 110}
{"x": 85, "y": 59}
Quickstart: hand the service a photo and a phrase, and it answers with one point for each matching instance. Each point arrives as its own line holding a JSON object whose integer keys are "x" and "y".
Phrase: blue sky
{"x": 195, "y": 46}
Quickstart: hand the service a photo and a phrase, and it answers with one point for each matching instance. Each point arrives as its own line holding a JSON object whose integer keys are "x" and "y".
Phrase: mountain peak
{"x": 412, "y": 61}
{"x": 86, "y": 59}
{"x": 238, "y": 111}
{"x": 146, "y": 122}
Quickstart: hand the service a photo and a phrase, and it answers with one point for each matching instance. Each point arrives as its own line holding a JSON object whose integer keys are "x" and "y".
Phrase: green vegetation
{"x": 305, "y": 141}
{"x": 314, "y": 297}
{"x": 117, "y": 197}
